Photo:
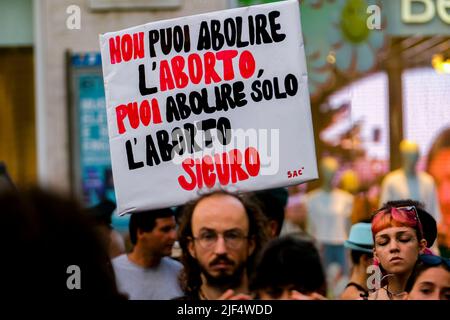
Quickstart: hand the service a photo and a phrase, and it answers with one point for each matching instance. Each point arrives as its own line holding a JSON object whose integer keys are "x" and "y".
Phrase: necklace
{"x": 392, "y": 295}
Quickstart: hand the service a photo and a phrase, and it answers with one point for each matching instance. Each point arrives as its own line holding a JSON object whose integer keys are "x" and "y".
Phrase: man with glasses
{"x": 220, "y": 234}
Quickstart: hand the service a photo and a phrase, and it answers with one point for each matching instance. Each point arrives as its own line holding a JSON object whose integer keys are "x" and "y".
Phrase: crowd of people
{"x": 234, "y": 246}
{"x": 231, "y": 249}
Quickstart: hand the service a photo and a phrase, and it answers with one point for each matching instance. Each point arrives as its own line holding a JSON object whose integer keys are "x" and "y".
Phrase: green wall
{"x": 16, "y": 23}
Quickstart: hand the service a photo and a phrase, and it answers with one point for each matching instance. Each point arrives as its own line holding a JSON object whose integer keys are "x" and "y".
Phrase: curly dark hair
{"x": 146, "y": 221}
{"x": 190, "y": 277}
{"x": 289, "y": 262}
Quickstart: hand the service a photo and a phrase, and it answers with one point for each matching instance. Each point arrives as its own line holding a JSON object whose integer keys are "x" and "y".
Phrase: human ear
{"x": 251, "y": 245}
{"x": 139, "y": 233}
{"x": 273, "y": 226}
{"x": 366, "y": 260}
{"x": 375, "y": 258}
{"x": 422, "y": 245}
{"x": 191, "y": 248}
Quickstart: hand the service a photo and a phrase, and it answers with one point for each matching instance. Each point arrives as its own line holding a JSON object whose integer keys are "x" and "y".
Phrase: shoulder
{"x": 121, "y": 264}
{"x": 120, "y": 260}
{"x": 392, "y": 177}
{"x": 188, "y": 297}
{"x": 343, "y": 194}
{"x": 351, "y": 293}
{"x": 171, "y": 263}
{"x": 426, "y": 178}
{"x": 312, "y": 195}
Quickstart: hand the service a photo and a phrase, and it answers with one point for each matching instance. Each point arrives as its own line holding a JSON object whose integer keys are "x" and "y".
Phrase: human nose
{"x": 171, "y": 235}
{"x": 435, "y": 295}
{"x": 220, "y": 245}
{"x": 393, "y": 246}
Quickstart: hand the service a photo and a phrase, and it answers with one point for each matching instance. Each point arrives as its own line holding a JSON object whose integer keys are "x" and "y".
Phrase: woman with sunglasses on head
{"x": 402, "y": 230}
{"x": 430, "y": 279}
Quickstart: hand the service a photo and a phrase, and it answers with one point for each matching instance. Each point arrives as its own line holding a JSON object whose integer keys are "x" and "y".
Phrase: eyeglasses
{"x": 412, "y": 215}
{"x": 405, "y": 214}
{"x": 432, "y": 260}
{"x": 233, "y": 239}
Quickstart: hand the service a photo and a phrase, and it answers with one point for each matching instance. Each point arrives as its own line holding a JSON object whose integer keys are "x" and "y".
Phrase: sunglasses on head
{"x": 408, "y": 213}
{"x": 432, "y": 260}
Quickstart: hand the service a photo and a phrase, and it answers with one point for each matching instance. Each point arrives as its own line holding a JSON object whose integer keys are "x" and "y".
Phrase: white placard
{"x": 217, "y": 100}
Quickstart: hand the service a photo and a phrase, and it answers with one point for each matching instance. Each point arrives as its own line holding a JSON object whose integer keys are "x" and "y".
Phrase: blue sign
{"x": 95, "y": 160}
{"x": 92, "y": 156}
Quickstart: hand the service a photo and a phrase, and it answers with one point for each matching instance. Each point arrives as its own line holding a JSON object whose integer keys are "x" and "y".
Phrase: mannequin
{"x": 329, "y": 210}
{"x": 408, "y": 183}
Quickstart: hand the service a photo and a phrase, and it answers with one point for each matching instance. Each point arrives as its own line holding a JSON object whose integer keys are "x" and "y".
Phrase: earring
{"x": 376, "y": 263}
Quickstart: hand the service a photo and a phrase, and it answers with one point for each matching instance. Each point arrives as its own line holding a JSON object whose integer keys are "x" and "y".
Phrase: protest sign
{"x": 217, "y": 100}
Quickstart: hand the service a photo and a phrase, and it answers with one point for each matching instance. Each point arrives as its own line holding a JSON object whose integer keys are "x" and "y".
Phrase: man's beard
{"x": 223, "y": 280}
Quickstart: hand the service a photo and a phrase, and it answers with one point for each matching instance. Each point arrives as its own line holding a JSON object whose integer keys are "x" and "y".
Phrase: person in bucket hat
{"x": 360, "y": 243}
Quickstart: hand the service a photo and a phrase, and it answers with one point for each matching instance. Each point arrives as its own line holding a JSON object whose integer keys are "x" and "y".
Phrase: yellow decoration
{"x": 440, "y": 64}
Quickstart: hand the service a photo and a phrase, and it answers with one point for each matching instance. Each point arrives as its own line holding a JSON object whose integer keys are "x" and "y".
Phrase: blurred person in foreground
{"x": 289, "y": 268}
{"x": 53, "y": 249}
{"x": 102, "y": 213}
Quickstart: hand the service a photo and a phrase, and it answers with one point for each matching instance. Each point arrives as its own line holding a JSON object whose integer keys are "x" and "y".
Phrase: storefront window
{"x": 426, "y": 107}
{"x": 363, "y": 131}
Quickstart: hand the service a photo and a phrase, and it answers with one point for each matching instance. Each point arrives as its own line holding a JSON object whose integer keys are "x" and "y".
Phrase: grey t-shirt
{"x": 159, "y": 283}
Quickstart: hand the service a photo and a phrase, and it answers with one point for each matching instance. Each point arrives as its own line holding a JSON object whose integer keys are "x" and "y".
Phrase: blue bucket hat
{"x": 360, "y": 238}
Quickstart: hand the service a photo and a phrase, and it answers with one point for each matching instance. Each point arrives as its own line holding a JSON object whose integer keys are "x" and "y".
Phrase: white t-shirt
{"x": 329, "y": 215}
{"x": 397, "y": 186}
{"x": 159, "y": 283}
